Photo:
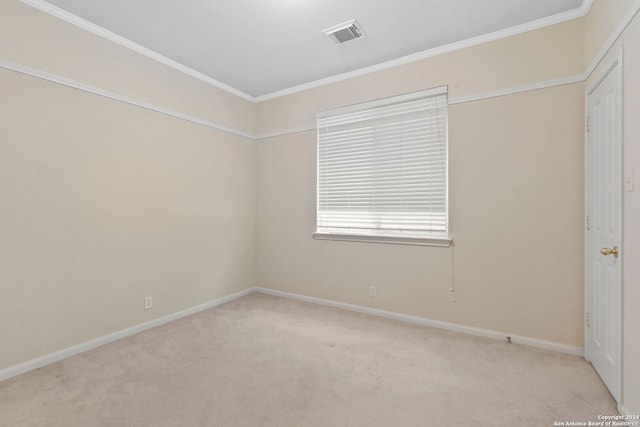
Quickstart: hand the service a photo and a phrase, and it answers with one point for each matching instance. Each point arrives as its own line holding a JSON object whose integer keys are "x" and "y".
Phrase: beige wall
{"x": 604, "y": 16}
{"x": 516, "y": 195}
{"x": 103, "y": 203}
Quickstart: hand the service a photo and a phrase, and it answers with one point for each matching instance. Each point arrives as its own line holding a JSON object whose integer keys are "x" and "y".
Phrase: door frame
{"x": 615, "y": 60}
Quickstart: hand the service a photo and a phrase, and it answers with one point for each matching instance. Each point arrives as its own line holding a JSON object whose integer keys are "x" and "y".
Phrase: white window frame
{"x": 386, "y": 236}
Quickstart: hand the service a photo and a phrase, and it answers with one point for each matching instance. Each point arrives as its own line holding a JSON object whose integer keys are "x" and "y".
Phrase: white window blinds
{"x": 382, "y": 168}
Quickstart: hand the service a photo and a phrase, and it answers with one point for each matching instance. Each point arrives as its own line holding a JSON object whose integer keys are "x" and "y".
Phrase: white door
{"x": 604, "y": 228}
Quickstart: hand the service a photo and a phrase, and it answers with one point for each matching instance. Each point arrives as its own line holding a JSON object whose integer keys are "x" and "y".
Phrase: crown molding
{"x": 53, "y": 78}
{"x": 577, "y": 13}
{"x": 106, "y": 34}
{"x": 429, "y": 53}
{"x": 48, "y": 8}
{"x": 586, "y": 7}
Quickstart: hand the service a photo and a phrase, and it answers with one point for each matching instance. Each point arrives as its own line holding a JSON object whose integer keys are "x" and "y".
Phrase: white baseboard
{"x": 487, "y": 333}
{"x": 21, "y": 368}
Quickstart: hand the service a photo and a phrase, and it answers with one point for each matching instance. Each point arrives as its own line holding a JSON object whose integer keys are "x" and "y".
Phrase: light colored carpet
{"x": 266, "y": 361}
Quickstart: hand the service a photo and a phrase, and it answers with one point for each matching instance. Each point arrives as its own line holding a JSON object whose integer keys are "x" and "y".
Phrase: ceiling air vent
{"x": 344, "y": 32}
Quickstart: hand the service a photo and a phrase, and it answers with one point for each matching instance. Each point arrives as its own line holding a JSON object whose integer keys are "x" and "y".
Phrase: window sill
{"x": 444, "y": 242}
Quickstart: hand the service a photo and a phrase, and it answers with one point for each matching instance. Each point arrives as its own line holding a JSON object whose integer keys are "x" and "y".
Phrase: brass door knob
{"x": 610, "y": 251}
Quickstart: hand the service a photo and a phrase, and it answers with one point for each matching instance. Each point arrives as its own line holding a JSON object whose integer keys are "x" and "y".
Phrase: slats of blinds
{"x": 385, "y": 168}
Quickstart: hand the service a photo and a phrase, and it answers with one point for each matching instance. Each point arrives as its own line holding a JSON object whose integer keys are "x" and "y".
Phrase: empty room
{"x": 319, "y": 213}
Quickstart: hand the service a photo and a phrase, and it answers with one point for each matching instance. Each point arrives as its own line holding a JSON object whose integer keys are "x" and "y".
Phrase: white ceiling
{"x": 265, "y": 46}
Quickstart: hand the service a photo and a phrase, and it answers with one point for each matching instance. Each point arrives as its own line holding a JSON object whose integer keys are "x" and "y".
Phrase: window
{"x": 382, "y": 171}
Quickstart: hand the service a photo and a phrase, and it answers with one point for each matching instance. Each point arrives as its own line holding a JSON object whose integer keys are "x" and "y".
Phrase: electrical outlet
{"x": 148, "y": 303}
{"x": 373, "y": 292}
